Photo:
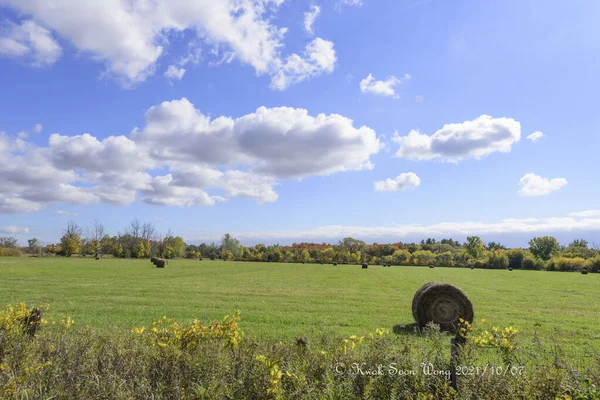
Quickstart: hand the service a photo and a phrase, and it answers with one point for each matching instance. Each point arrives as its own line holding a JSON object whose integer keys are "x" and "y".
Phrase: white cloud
{"x": 244, "y": 157}
{"x": 535, "y": 185}
{"x": 30, "y": 43}
{"x": 38, "y": 128}
{"x": 67, "y": 213}
{"x": 456, "y": 142}
{"x": 443, "y": 229}
{"x": 319, "y": 58}
{"x": 586, "y": 214}
{"x": 130, "y": 36}
{"x": 159, "y": 219}
{"x": 382, "y": 88}
{"x": 282, "y": 142}
{"x": 310, "y": 18}
{"x": 535, "y": 136}
{"x": 351, "y": 3}
{"x": 404, "y": 181}
{"x": 174, "y": 73}
{"x": 16, "y": 205}
{"x": 14, "y": 230}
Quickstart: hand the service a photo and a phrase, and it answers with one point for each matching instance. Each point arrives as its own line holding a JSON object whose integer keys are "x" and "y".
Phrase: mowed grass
{"x": 283, "y": 301}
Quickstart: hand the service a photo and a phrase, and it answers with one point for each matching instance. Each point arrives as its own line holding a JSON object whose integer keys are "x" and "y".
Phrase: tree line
{"x": 141, "y": 240}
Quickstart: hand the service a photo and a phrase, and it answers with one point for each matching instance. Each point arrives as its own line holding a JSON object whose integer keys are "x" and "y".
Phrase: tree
{"x": 474, "y": 246}
{"x": 495, "y": 246}
{"x": 34, "y": 246}
{"x": 8, "y": 242}
{"x": 544, "y": 247}
{"x": 230, "y": 243}
{"x": 70, "y": 243}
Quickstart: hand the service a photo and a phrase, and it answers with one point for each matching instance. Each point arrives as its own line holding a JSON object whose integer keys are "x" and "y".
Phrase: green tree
{"x": 544, "y": 247}
{"x": 70, "y": 243}
{"x": 230, "y": 243}
{"x": 34, "y": 246}
{"x": 474, "y": 246}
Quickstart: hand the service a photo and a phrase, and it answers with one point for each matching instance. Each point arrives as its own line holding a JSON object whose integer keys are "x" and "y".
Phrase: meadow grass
{"x": 284, "y": 301}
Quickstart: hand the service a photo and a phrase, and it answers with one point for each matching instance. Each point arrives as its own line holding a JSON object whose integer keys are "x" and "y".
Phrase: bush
{"x": 10, "y": 252}
{"x": 566, "y": 264}
{"x": 498, "y": 260}
{"x": 530, "y": 262}
{"x": 593, "y": 264}
{"x": 515, "y": 258}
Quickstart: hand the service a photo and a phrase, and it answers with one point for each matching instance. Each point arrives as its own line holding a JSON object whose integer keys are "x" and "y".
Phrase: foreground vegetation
{"x": 201, "y": 360}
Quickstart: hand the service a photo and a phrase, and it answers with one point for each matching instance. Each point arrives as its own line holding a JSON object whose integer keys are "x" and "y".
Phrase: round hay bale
{"x": 97, "y": 258}
{"x": 334, "y": 264}
{"x": 389, "y": 264}
{"x": 162, "y": 263}
{"x": 584, "y": 272}
{"x": 322, "y": 263}
{"x": 365, "y": 265}
{"x": 303, "y": 262}
{"x": 472, "y": 267}
{"x": 510, "y": 268}
{"x": 441, "y": 303}
{"x": 431, "y": 266}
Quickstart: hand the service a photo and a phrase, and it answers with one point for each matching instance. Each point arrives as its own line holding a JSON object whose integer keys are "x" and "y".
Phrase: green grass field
{"x": 287, "y": 300}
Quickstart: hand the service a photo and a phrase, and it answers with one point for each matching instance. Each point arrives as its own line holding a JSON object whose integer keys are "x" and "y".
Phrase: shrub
{"x": 593, "y": 264}
{"x": 515, "y": 258}
{"x": 10, "y": 252}
{"x": 498, "y": 260}
{"x": 529, "y": 262}
{"x": 566, "y": 264}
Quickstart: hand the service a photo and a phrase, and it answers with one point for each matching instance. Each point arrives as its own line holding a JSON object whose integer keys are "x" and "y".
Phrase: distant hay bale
{"x": 365, "y": 265}
{"x": 161, "y": 263}
{"x": 97, "y": 258}
{"x": 442, "y": 304}
{"x": 334, "y": 264}
{"x": 584, "y": 271}
{"x": 322, "y": 263}
{"x": 303, "y": 262}
{"x": 389, "y": 264}
{"x": 510, "y": 268}
{"x": 472, "y": 267}
{"x": 431, "y": 266}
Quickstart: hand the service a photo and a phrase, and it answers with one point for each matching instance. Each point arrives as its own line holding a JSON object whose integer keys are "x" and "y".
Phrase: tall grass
{"x": 199, "y": 360}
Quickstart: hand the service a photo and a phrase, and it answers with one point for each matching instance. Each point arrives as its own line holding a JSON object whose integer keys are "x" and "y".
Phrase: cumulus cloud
{"x": 67, "y": 213}
{"x": 14, "y": 230}
{"x": 457, "y": 142}
{"x": 173, "y": 72}
{"x": 38, "y": 128}
{"x": 130, "y": 36}
{"x": 535, "y": 136}
{"x": 282, "y": 142}
{"x": 310, "y": 18}
{"x": 535, "y": 185}
{"x": 443, "y": 229}
{"x": 319, "y": 58}
{"x": 206, "y": 160}
{"x": 404, "y": 181}
{"x": 29, "y": 42}
{"x": 382, "y": 88}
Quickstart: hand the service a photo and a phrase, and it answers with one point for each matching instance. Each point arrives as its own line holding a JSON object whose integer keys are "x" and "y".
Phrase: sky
{"x": 282, "y": 120}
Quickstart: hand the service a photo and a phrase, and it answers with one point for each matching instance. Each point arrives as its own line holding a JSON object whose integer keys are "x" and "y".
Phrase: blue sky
{"x": 497, "y": 71}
